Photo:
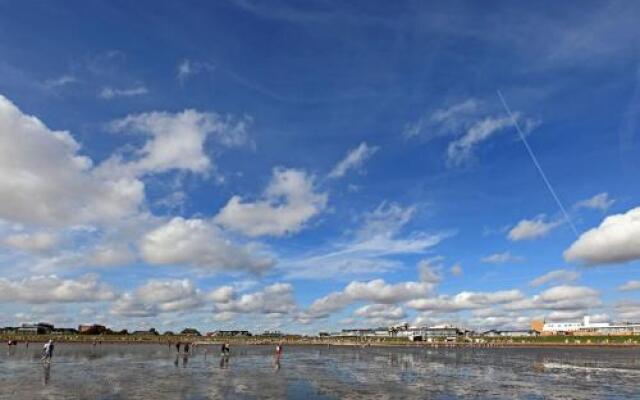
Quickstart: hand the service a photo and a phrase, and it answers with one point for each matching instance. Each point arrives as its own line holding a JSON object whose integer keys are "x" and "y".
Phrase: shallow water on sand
{"x": 110, "y": 371}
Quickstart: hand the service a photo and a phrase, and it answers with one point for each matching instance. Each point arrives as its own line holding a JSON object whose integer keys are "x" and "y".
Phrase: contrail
{"x": 537, "y": 164}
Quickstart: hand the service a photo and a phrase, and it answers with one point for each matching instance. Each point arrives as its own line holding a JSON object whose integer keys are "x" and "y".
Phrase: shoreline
{"x": 553, "y": 342}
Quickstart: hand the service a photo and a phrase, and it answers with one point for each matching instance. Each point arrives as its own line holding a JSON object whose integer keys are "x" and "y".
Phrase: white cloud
{"x": 465, "y": 300}
{"x": 46, "y": 181}
{"x": 598, "y": 202}
{"x": 380, "y": 312}
{"x": 52, "y": 289}
{"x": 629, "y": 285}
{"x": 430, "y": 272}
{"x": 223, "y": 294}
{"x": 616, "y": 240}
{"x": 32, "y": 242}
{"x": 177, "y": 141}
{"x": 110, "y": 254}
{"x": 379, "y": 236}
{"x": 375, "y": 291}
{"x": 562, "y": 297}
{"x": 60, "y": 81}
{"x": 470, "y": 121}
{"x": 159, "y": 296}
{"x": 108, "y": 93}
{"x": 556, "y": 276}
{"x": 288, "y": 202}
{"x": 187, "y": 68}
{"x": 628, "y": 310}
{"x": 501, "y": 258}
{"x": 529, "y": 229}
{"x": 461, "y": 149}
{"x": 197, "y": 243}
{"x": 444, "y": 121}
{"x": 273, "y": 299}
{"x": 354, "y": 159}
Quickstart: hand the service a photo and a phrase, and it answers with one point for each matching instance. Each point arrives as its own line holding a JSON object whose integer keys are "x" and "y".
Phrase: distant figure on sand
{"x": 279, "y": 349}
{"x": 225, "y": 349}
{"x": 186, "y": 348}
{"x": 47, "y": 351}
{"x": 178, "y": 347}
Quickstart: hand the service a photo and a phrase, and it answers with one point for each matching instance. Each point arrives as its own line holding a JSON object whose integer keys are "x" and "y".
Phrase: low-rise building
{"x": 91, "y": 329}
{"x": 586, "y": 328}
{"x": 231, "y": 333}
{"x": 41, "y": 328}
{"x": 510, "y": 333}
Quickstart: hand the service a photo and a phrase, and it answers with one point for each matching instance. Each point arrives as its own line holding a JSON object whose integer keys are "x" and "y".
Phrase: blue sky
{"x": 317, "y": 165}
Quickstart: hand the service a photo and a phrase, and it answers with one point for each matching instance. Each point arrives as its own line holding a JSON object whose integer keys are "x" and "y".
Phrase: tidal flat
{"x": 152, "y": 371}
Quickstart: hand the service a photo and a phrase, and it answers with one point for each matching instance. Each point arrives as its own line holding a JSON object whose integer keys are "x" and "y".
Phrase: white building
{"x": 588, "y": 327}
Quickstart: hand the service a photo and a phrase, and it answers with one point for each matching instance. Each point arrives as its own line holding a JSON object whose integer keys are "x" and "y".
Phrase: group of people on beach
{"x": 225, "y": 350}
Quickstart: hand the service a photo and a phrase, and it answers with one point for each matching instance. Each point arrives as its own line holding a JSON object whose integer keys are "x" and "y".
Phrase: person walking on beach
{"x": 178, "y": 347}
{"x": 47, "y": 351}
{"x": 279, "y": 349}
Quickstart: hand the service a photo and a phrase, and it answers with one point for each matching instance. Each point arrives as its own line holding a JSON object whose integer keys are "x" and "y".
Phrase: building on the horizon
{"x": 91, "y": 329}
{"x": 231, "y": 333}
{"x": 413, "y": 333}
{"x": 41, "y": 328}
{"x": 586, "y": 328}
{"x": 272, "y": 334}
{"x": 510, "y": 333}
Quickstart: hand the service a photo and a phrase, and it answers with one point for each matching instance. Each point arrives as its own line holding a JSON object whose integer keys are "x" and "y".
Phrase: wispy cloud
{"x": 529, "y": 229}
{"x": 354, "y": 160}
{"x": 108, "y": 93}
{"x": 60, "y": 81}
{"x": 501, "y": 258}
{"x": 600, "y": 201}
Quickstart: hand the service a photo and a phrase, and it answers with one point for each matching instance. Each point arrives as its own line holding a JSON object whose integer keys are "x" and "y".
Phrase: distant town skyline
{"x": 319, "y": 166}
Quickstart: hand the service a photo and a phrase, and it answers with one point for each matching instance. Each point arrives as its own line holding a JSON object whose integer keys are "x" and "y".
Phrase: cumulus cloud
{"x": 629, "y": 286}
{"x": 600, "y": 201}
{"x": 108, "y": 93}
{"x": 529, "y": 229}
{"x": 375, "y": 291}
{"x": 52, "y": 289}
{"x": 159, "y": 296}
{"x": 354, "y": 159}
{"x": 380, "y": 312}
{"x": 273, "y": 299}
{"x": 110, "y": 254}
{"x": 501, "y": 258}
{"x": 176, "y": 141}
{"x": 32, "y": 242}
{"x": 556, "y": 276}
{"x": 628, "y": 310}
{"x": 289, "y": 201}
{"x": 563, "y": 297}
{"x": 465, "y": 301}
{"x": 616, "y": 240}
{"x": 46, "y": 181}
{"x": 197, "y": 243}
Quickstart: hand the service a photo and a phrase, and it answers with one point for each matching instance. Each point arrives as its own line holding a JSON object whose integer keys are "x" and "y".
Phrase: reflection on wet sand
{"x": 46, "y": 373}
{"x": 146, "y": 371}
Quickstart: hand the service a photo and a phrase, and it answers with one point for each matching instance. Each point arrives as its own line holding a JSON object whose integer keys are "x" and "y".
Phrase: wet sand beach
{"x": 111, "y": 371}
